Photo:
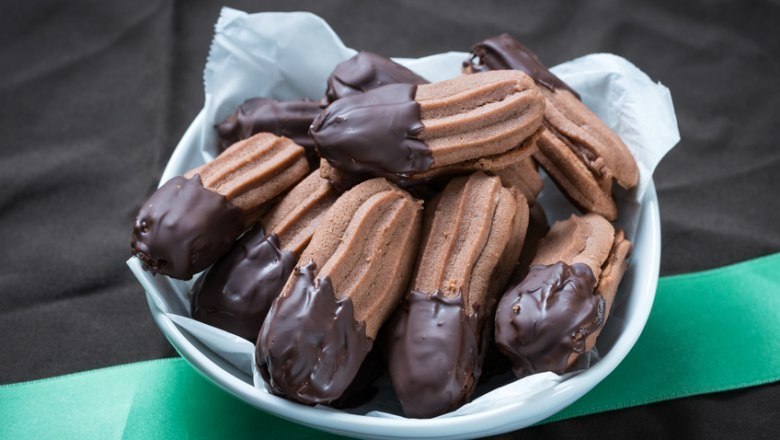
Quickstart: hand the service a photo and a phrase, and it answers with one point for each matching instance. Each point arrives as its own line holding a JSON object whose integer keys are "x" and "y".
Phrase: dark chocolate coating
{"x": 236, "y": 293}
{"x": 435, "y": 354}
{"x": 547, "y": 317}
{"x": 310, "y": 348}
{"x": 290, "y": 119}
{"x": 183, "y": 228}
{"x": 503, "y": 52}
{"x": 363, "y": 389}
{"x": 366, "y": 71}
{"x": 374, "y": 133}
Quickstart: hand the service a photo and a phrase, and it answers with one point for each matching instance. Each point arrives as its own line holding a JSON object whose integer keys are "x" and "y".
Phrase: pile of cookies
{"x": 395, "y": 223}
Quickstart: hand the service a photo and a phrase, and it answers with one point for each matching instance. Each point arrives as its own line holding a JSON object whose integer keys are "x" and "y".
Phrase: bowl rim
{"x": 488, "y": 422}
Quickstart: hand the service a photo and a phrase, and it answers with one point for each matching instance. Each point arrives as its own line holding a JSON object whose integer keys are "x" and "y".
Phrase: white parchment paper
{"x": 290, "y": 55}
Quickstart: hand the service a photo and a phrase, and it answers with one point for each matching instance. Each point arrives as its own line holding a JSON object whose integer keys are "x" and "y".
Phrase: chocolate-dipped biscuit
{"x": 191, "y": 221}
{"x": 289, "y": 119}
{"x": 427, "y": 182}
{"x": 581, "y": 154}
{"x": 366, "y": 71}
{"x": 472, "y": 236}
{"x": 255, "y": 171}
{"x": 503, "y": 52}
{"x": 347, "y": 282}
{"x": 557, "y": 311}
{"x": 236, "y": 293}
{"x": 183, "y": 228}
{"x": 410, "y": 134}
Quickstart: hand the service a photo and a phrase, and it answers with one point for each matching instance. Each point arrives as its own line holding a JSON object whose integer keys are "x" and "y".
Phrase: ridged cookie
{"x": 299, "y": 213}
{"x": 472, "y": 237}
{"x": 289, "y": 119}
{"x": 191, "y": 221}
{"x": 236, "y": 293}
{"x": 504, "y": 163}
{"x": 580, "y": 153}
{"x": 556, "y": 313}
{"x": 523, "y": 176}
{"x": 411, "y": 133}
{"x": 348, "y": 280}
{"x": 254, "y": 171}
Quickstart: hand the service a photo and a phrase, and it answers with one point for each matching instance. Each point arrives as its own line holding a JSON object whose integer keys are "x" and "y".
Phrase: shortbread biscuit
{"x": 504, "y": 163}
{"x": 472, "y": 236}
{"x": 254, "y": 171}
{"x": 503, "y": 52}
{"x": 299, "y": 213}
{"x": 581, "y": 154}
{"x": 191, "y": 221}
{"x": 289, "y": 119}
{"x": 556, "y": 313}
{"x": 411, "y": 133}
{"x": 236, "y": 293}
{"x": 366, "y": 71}
{"x": 347, "y": 282}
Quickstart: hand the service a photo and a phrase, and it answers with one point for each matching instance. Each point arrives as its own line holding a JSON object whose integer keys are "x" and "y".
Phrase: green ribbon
{"x": 709, "y": 331}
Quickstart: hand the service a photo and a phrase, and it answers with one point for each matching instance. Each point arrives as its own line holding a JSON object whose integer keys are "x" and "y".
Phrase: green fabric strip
{"x": 708, "y": 331}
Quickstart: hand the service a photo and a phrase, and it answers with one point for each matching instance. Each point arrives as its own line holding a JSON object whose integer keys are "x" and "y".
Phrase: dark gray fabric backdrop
{"x": 96, "y": 94}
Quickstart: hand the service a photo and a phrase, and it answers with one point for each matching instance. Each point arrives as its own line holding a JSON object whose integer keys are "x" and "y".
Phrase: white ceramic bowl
{"x": 628, "y": 318}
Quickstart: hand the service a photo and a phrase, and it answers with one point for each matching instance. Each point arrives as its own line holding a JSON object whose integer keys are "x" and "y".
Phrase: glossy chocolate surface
{"x": 183, "y": 228}
{"x": 435, "y": 354}
{"x": 290, "y": 119}
{"x": 236, "y": 293}
{"x": 547, "y": 317}
{"x": 374, "y": 133}
{"x": 504, "y": 52}
{"x": 366, "y": 71}
{"x": 310, "y": 348}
